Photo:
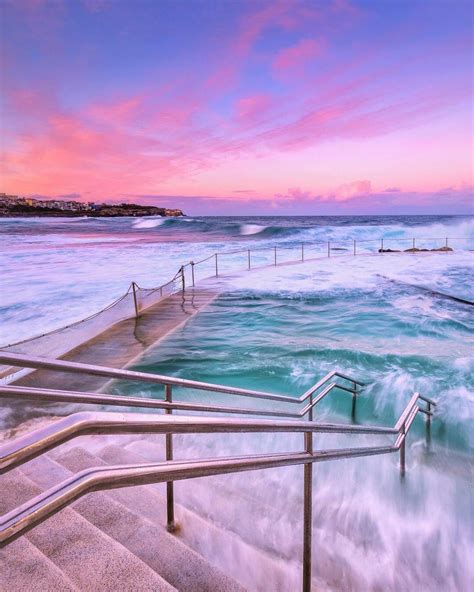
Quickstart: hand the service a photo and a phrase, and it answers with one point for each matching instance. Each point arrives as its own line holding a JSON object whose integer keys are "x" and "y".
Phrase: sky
{"x": 240, "y": 107}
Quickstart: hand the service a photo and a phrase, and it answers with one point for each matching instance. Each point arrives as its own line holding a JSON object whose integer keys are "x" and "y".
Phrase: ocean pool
{"x": 377, "y": 320}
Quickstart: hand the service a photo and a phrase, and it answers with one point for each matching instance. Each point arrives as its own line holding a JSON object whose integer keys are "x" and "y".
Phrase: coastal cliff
{"x": 13, "y": 206}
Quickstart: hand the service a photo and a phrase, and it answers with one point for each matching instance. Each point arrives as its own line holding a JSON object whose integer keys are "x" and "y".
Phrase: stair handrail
{"x": 58, "y": 365}
{"x": 17, "y": 451}
{"x": 19, "y": 520}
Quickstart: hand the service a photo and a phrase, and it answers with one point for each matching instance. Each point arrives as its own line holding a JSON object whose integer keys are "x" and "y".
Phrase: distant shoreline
{"x": 12, "y": 206}
{"x": 61, "y": 214}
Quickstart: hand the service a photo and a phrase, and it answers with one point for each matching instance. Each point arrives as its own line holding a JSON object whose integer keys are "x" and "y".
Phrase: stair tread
{"x": 71, "y": 542}
{"x": 231, "y": 494}
{"x": 21, "y": 564}
{"x": 181, "y": 566}
{"x": 252, "y": 566}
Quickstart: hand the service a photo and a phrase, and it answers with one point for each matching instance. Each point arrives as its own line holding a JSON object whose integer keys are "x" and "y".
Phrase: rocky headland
{"x": 14, "y": 206}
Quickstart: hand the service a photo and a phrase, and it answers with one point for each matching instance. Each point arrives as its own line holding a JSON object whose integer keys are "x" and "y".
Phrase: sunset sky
{"x": 236, "y": 107}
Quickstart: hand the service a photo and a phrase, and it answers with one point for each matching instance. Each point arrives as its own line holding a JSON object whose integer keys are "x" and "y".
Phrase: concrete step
{"x": 252, "y": 567}
{"x": 182, "y": 567}
{"x": 88, "y": 557}
{"x": 24, "y": 568}
{"x": 224, "y": 499}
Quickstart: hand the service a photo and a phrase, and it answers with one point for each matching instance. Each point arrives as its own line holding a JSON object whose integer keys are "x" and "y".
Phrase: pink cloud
{"x": 292, "y": 60}
{"x": 119, "y": 112}
{"x": 342, "y": 193}
{"x": 251, "y": 108}
{"x": 349, "y": 191}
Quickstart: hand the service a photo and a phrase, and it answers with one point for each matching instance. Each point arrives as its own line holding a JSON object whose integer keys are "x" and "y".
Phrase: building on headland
{"x": 13, "y": 205}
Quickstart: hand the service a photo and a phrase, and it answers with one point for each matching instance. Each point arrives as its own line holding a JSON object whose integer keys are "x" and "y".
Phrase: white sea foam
{"x": 248, "y": 229}
{"x": 148, "y": 222}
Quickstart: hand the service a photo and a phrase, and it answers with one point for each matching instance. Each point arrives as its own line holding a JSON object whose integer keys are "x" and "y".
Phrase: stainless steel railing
{"x": 311, "y": 395}
{"x": 19, "y": 451}
{"x": 36, "y": 362}
{"x": 168, "y": 405}
{"x": 18, "y": 521}
{"x": 23, "y": 449}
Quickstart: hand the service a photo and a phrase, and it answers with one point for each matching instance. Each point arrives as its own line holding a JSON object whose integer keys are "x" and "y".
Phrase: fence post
{"x": 170, "y": 524}
{"x": 248, "y": 253}
{"x": 329, "y": 249}
{"x": 135, "y": 301}
{"x": 217, "y": 269}
{"x": 354, "y": 248}
{"x": 192, "y": 272}
{"x": 381, "y": 248}
{"x": 446, "y": 241}
{"x": 307, "y": 514}
{"x": 413, "y": 243}
{"x": 275, "y": 251}
{"x": 302, "y": 251}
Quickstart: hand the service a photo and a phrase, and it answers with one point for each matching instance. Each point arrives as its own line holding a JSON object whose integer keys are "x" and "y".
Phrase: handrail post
{"x": 248, "y": 254}
{"x": 192, "y": 272}
{"x": 302, "y": 251}
{"x": 183, "y": 279}
{"x": 354, "y": 248}
{"x": 135, "y": 301}
{"x": 381, "y": 247}
{"x": 170, "y": 524}
{"x": 413, "y": 243}
{"x": 307, "y": 514}
{"x": 275, "y": 252}
{"x": 329, "y": 248}
{"x": 217, "y": 269}
{"x": 354, "y": 400}
{"x": 446, "y": 241}
{"x": 402, "y": 451}
{"x": 428, "y": 423}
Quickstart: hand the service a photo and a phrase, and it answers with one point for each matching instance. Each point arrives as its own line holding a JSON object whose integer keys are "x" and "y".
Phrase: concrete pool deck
{"x": 119, "y": 345}
{"x": 116, "y": 347}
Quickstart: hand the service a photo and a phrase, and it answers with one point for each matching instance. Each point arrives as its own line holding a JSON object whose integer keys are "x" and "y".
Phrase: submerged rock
{"x": 417, "y": 250}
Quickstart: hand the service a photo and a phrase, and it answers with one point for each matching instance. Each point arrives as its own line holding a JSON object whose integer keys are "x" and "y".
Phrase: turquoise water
{"x": 280, "y": 331}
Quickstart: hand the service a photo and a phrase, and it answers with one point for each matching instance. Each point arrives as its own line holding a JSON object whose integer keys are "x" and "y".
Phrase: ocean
{"x": 389, "y": 320}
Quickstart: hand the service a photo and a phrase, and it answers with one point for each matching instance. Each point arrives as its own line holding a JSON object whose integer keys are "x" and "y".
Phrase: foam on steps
{"x": 252, "y": 567}
{"x": 183, "y": 568}
{"x": 224, "y": 499}
{"x": 90, "y": 559}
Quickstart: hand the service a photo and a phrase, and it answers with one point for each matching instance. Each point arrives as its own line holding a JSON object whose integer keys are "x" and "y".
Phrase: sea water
{"x": 387, "y": 320}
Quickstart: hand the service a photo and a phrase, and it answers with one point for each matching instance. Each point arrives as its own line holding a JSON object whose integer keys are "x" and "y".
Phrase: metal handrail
{"x": 60, "y": 396}
{"x": 23, "y": 449}
{"x": 116, "y": 373}
{"x": 13, "y": 454}
{"x": 18, "y": 521}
